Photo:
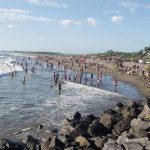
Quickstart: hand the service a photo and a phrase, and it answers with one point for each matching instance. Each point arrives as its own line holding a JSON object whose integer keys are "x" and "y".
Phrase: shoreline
{"x": 134, "y": 80}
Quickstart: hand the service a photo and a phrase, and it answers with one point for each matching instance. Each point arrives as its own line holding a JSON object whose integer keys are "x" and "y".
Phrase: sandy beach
{"x": 135, "y": 80}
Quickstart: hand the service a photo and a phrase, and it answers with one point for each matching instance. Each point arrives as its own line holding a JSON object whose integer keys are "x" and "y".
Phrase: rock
{"x": 108, "y": 120}
{"x": 112, "y": 145}
{"x": 80, "y": 129}
{"x": 119, "y": 105}
{"x": 67, "y": 139}
{"x": 67, "y": 128}
{"x": 118, "y": 117}
{"x": 133, "y": 146}
{"x": 12, "y": 145}
{"x": 41, "y": 126}
{"x": 147, "y": 147}
{"x": 131, "y": 103}
{"x": 52, "y": 143}
{"x": 45, "y": 144}
{"x": 122, "y": 139}
{"x": 89, "y": 118}
{"x": 142, "y": 141}
{"x": 122, "y": 126}
{"x": 77, "y": 115}
{"x": 97, "y": 129}
{"x": 126, "y": 111}
{"x": 55, "y": 130}
{"x": 71, "y": 148}
{"x": 56, "y": 143}
{"x": 110, "y": 111}
{"x": 31, "y": 139}
{"x": 146, "y": 112}
{"x": 125, "y": 139}
{"x": 140, "y": 127}
{"x": 83, "y": 142}
{"x": 99, "y": 142}
{"x": 32, "y": 143}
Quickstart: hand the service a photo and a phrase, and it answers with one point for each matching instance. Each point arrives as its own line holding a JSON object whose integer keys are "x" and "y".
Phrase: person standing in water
{"x": 59, "y": 87}
{"x": 115, "y": 82}
{"x": 24, "y": 81}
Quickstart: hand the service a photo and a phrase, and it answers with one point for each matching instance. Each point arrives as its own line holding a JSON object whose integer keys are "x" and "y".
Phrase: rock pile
{"x": 126, "y": 127}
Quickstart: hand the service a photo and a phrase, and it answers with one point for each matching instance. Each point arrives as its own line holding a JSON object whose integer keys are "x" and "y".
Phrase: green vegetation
{"x": 143, "y": 53}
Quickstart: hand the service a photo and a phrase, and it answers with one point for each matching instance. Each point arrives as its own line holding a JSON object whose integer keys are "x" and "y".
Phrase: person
{"x": 59, "y": 87}
{"x": 24, "y": 80}
{"x": 85, "y": 80}
{"x": 115, "y": 82}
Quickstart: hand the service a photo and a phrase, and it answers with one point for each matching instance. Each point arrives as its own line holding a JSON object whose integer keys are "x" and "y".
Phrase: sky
{"x": 74, "y": 26}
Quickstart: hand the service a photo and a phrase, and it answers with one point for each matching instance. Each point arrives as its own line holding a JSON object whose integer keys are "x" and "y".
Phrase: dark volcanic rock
{"x": 80, "y": 129}
{"x": 133, "y": 146}
{"x": 97, "y": 129}
{"x": 122, "y": 126}
{"x": 89, "y": 118}
{"x": 108, "y": 120}
{"x": 99, "y": 142}
{"x": 12, "y": 145}
{"x": 77, "y": 115}
{"x": 112, "y": 145}
{"x": 52, "y": 143}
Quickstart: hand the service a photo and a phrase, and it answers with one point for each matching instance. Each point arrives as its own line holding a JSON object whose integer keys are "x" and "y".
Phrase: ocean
{"x": 24, "y": 107}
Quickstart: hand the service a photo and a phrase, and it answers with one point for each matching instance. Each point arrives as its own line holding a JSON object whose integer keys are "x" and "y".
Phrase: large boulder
{"x": 97, "y": 129}
{"x": 56, "y": 143}
{"x": 140, "y": 127}
{"x": 13, "y": 145}
{"x": 145, "y": 113}
{"x": 99, "y": 142}
{"x": 125, "y": 138}
{"x": 80, "y": 129}
{"x": 131, "y": 103}
{"x": 77, "y": 116}
{"x": 89, "y": 118}
{"x": 52, "y": 143}
{"x": 67, "y": 127}
{"x": 82, "y": 141}
{"x": 45, "y": 144}
{"x": 133, "y": 146}
{"x": 126, "y": 111}
{"x": 108, "y": 120}
{"x": 112, "y": 145}
{"x": 122, "y": 126}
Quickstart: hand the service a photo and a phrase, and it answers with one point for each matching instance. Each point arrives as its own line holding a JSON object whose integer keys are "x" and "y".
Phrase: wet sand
{"x": 135, "y": 80}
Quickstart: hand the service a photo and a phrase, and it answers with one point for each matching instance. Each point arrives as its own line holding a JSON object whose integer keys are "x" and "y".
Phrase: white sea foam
{"x": 6, "y": 66}
{"x": 76, "y": 97}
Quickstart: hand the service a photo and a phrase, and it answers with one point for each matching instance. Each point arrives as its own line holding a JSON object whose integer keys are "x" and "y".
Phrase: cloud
{"x": 19, "y": 15}
{"x": 16, "y": 15}
{"x": 10, "y": 26}
{"x": 91, "y": 21}
{"x": 112, "y": 11}
{"x": 51, "y": 3}
{"x": 68, "y": 22}
{"x": 131, "y": 6}
{"x": 117, "y": 19}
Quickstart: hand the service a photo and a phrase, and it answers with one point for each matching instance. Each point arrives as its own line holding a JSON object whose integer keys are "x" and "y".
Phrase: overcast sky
{"x": 74, "y": 26}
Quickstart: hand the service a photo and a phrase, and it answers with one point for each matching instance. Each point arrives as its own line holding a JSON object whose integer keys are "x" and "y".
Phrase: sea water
{"x": 25, "y": 107}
